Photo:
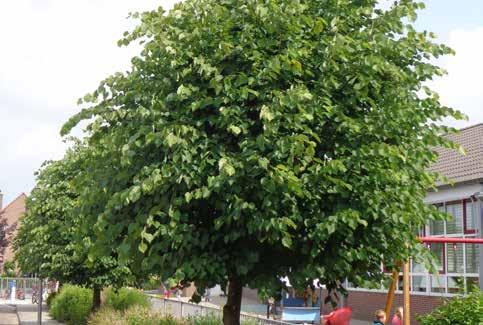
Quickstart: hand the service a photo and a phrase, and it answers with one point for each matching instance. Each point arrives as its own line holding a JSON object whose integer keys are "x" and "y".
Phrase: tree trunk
{"x": 231, "y": 310}
{"x": 96, "y": 298}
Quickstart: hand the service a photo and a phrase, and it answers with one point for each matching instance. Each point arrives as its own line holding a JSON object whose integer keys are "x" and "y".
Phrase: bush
{"x": 124, "y": 298}
{"x": 458, "y": 310}
{"x": 50, "y": 298}
{"x": 72, "y": 305}
{"x": 106, "y": 316}
{"x": 140, "y": 315}
{"x": 210, "y": 319}
{"x": 135, "y": 315}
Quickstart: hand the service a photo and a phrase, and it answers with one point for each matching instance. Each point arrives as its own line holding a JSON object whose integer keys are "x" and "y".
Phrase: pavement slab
{"x": 27, "y": 315}
{"x": 8, "y": 316}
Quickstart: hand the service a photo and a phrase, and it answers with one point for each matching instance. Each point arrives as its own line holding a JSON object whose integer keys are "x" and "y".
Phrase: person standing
{"x": 380, "y": 316}
{"x": 397, "y": 319}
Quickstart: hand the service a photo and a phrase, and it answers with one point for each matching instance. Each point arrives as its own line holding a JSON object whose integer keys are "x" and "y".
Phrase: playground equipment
{"x": 341, "y": 316}
{"x": 301, "y": 314}
{"x": 406, "y": 294}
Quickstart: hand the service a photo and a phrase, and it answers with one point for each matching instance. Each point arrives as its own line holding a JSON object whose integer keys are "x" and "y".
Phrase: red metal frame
{"x": 451, "y": 240}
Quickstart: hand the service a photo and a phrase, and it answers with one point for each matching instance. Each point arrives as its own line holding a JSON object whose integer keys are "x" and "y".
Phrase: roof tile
{"x": 461, "y": 168}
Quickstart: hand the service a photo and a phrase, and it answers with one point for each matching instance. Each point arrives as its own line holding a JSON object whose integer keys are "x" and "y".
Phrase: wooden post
{"x": 390, "y": 294}
{"x": 406, "y": 298}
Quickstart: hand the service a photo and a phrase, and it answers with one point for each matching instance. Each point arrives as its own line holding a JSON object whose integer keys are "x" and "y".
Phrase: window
{"x": 438, "y": 250}
{"x": 438, "y": 283}
{"x": 470, "y": 217}
{"x": 472, "y": 258}
{"x": 454, "y": 253}
{"x": 455, "y": 284}
{"x": 471, "y": 282}
{"x": 455, "y": 225}
{"x": 436, "y": 227}
{"x": 419, "y": 283}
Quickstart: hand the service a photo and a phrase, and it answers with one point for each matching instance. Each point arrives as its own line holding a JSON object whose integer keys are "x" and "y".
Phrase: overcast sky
{"x": 55, "y": 51}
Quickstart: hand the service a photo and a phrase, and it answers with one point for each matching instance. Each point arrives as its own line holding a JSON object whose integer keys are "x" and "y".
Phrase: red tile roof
{"x": 462, "y": 168}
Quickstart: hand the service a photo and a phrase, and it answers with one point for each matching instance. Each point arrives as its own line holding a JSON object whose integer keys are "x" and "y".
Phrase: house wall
{"x": 11, "y": 213}
{"x": 364, "y": 304}
{"x": 457, "y": 192}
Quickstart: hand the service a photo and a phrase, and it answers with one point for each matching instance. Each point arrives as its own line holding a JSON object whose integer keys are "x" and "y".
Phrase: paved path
{"x": 8, "y": 316}
{"x": 27, "y": 315}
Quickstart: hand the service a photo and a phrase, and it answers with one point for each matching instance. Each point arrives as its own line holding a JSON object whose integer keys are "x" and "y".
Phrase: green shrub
{"x": 124, "y": 298}
{"x": 50, "y": 298}
{"x": 458, "y": 310}
{"x": 72, "y": 305}
{"x": 135, "y": 315}
{"x": 106, "y": 315}
{"x": 210, "y": 319}
{"x": 141, "y": 315}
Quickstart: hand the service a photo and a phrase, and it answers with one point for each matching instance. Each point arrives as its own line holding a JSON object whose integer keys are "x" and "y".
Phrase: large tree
{"x": 53, "y": 239}
{"x": 258, "y": 139}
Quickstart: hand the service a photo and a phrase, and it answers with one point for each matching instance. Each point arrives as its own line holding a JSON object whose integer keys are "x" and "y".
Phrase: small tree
{"x": 253, "y": 140}
{"x": 53, "y": 240}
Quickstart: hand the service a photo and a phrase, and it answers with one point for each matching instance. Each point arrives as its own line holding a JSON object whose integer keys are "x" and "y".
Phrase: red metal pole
{"x": 451, "y": 240}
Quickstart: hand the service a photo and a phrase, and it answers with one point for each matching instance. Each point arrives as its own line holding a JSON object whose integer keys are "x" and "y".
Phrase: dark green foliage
{"x": 461, "y": 310}
{"x": 124, "y": 298}
{"x": 258, "y": 139}
{"x": 72, "y": 305}
{"x": 50, "y": 298}
{"x": 53, "y": 239}
{"x": 9, "y": 269}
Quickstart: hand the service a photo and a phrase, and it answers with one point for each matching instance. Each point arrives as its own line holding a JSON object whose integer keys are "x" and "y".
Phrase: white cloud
{"x": 461, "y": 88}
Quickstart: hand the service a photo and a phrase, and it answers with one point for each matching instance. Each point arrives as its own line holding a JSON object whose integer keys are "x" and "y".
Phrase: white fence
{"x": 182, "y": 309}
{"x": 24, "y": 288}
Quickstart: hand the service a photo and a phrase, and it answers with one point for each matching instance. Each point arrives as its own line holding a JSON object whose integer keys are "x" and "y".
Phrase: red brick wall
{"x": 12, "y": 213}
{"x": 364, "y": 304}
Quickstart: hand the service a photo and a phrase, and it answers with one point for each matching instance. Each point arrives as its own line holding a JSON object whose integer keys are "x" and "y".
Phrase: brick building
{"x": 459, "y": 264}
{"x": 9, "y": 217}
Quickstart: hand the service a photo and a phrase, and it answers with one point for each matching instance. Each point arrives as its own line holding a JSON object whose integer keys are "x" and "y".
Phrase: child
{"x": 398, "y": 317}
{"x": 380, "y": 317}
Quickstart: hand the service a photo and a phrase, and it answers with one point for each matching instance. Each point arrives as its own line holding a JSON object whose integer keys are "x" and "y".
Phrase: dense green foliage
{"x": 9, "y": 269}
{"x": 461, "y": 310}
{"x": 125, "y": 298}
{"x": 50, "y": 298}
{"x": 259, "y": 139}
{"x": 72, "y": 305}
{"x": 53, "y": 239}
{"x": 254, "y": 139}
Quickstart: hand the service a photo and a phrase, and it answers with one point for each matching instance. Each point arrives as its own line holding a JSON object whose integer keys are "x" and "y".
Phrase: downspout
{"x": 479, "y": 226}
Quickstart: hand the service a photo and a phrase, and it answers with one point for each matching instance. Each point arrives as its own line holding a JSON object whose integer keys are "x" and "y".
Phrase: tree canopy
{"x": 253, "y": 140}
{"x": 53, "y": 239}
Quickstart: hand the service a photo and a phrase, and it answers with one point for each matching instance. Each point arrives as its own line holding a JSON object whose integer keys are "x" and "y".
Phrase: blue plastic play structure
{"x": 301, "y": 314}
{"x": 294, "y": 311}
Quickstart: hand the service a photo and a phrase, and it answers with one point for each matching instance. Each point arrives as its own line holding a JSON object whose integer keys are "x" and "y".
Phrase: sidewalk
{"x": 8, "y": 316}
{"x": 27, "y": 315}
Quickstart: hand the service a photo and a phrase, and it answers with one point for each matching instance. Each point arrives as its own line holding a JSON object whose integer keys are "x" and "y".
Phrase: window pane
{"x": 438, "y": 283}
{"x": 470, "y": 215}
{"x": 400, "y": 283}
{"x": 454, "y": 256}
{"x": 438, "y": 250}
{"x": 472, "y": 282}
{"x": 472, "y": 258}
{"x": 455, "y": 284}
{"x": 436, "y": 227}
{"x": 418, "y": 267}
{"x": 419, "y": 283}
{"x": 455, "y": 225}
